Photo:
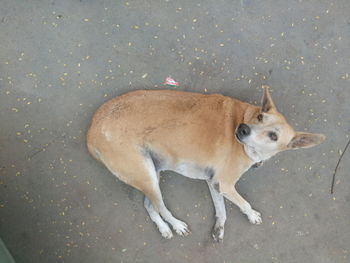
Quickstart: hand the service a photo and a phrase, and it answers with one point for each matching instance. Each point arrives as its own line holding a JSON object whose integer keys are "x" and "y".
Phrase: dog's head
{"x": 266, "y": 132}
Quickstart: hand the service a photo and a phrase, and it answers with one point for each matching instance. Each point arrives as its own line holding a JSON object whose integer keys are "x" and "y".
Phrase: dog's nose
{"x": 243, "y": 130}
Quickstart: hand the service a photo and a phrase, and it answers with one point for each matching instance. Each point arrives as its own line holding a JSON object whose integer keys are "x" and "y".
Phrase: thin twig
{"x": 336, "y": 168}
{"x": 39, "y": 151}
{"x": 47, "y": 145}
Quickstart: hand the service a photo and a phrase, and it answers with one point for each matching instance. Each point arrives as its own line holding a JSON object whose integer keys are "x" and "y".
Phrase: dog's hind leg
{"x": 154, "y": 194}
{"x": 163, "y": 227}
{"x": 142, "y": 175}
{"x": 180, "y": 227}
{"x": 154, "y": 215}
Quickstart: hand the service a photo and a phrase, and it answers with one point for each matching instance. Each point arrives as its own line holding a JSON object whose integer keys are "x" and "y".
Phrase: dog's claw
{"x": 181, "y": 229}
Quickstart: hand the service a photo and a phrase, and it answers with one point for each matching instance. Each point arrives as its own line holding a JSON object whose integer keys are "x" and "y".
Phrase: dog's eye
{"x": 260, "y": 117}
{"x": 273, "y": 136}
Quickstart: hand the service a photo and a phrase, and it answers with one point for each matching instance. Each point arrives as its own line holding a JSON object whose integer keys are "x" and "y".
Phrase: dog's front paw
{"x": 254, "y": 217}
{"x": 218, "y": 233}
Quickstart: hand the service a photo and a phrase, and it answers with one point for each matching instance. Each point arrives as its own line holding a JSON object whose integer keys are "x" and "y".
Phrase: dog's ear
{"x": 305, "y": 140}
{"x": 267, "y": 103}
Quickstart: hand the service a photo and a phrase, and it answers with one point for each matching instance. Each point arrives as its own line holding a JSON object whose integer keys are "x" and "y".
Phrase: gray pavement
{"x": 59, "y": 60}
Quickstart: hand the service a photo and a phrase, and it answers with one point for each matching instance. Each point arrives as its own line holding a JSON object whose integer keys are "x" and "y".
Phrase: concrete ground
{"x": 61, "y": 59}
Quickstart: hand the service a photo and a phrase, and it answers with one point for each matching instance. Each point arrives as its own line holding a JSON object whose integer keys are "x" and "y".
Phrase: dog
{"x": 209, "y": 137}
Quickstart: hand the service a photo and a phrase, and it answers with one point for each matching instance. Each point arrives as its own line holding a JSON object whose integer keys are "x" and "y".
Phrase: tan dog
{"x": 210, "y": 137}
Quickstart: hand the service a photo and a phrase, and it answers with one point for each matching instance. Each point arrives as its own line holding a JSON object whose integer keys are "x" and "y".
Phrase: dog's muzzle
{"x": 243, "y": 131}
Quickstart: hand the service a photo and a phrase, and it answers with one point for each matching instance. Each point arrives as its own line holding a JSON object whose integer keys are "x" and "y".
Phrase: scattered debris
{"x": 171, "y": 82}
